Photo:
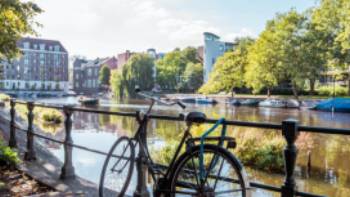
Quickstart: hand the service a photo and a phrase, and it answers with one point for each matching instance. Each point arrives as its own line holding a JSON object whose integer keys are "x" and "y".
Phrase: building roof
{"x": 38, "y": 41}
{"x": 211, "y": 35}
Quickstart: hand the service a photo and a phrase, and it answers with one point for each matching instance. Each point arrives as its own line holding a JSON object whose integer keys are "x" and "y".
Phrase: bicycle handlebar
{"x": 157, "y": 99}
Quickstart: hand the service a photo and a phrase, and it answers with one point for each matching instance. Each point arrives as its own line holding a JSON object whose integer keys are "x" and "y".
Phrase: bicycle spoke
{"x": 218, "y": 175}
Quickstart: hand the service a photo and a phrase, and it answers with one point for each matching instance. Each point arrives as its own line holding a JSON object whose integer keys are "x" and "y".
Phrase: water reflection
{"x": 327, "y": 155}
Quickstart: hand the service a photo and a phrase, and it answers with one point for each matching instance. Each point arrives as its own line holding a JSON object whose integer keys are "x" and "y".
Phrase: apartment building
{"x": 42, "y": 67}
{"x": 213, "y": 48}
{"x": 86, "y": 76}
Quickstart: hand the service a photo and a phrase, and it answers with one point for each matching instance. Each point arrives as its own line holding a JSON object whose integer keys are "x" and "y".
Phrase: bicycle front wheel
{"x": 221, "y": 175}
{"x": 117, "y": 168}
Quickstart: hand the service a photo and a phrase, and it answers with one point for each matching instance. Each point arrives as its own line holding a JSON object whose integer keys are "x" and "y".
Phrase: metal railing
{"x": 290, "y": 130}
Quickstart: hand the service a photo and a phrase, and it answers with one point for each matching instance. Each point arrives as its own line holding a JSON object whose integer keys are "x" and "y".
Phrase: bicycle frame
{"x": 140, "y": 139}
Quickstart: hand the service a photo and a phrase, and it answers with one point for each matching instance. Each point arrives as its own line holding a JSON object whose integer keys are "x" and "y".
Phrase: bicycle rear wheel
{"x": 117, "y": 168}
{"x": 223, "y": 174}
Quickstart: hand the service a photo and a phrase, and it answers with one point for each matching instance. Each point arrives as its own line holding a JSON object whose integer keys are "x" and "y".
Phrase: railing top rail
{"x": 263, "y": 125}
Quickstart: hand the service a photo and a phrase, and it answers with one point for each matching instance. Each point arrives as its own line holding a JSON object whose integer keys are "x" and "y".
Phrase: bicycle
{"x": 196, "y": 172}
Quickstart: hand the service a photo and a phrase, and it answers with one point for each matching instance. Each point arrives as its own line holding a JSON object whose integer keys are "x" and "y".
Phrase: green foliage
{"x": 171, "y": 68}
{"x": 104, "y": 75}
{"x": 16, "y": 20}
{"x": 279, "y": 53}
{"x": 265, "y": 155}
{"x": 137, "y": 71}
{"x": 332, "y": 19}
{"x": 229, "y": 69}
{"x": 192, "y": 77}
{"x": 4, "y": 97}
{"x": 329, "y": 90}
{"x": 165, "y": 154}
{"x": 7, "y": 155}
{"x": 52, "y": 117}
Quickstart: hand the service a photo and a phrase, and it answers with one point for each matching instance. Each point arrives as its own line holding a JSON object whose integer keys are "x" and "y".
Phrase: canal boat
{"x": 187, "y": 100}
{"x": 235, "y": 102}
{"x": 272, "y": 103}
{"x": 335, "y": 105}
{"x": 88, "y": 101}
{"x": 292, "y": 103}
{"x": 250, "y": 102}
{"x": 206, "y": 101}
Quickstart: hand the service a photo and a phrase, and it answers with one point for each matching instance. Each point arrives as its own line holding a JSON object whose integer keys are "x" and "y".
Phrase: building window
{"x": 221, "y": 48}
{"x": 35, "y": 46}
{"x": 26, "y": 45}
{"x": 57, "y": 48}
{"x": 42, "y": 47}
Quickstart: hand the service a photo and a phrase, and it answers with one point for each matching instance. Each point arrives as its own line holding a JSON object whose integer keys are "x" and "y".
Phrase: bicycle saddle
{"x": 197, "y": 117}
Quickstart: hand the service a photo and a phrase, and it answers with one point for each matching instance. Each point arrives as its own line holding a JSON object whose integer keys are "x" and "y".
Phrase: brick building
{"x": 42, "y": 67}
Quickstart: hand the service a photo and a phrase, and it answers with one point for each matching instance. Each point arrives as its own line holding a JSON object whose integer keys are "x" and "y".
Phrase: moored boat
{"x": 206, "y": 101}
{"x": 292, "y": 103}
{"x": 235, "y": 102}
{"x": 88, "y": 101}
{"x": 336, "y": 105}
{"x": 187, "y": 100}
{"x": 250, "y": 102}
{"x": 272, "y": 103}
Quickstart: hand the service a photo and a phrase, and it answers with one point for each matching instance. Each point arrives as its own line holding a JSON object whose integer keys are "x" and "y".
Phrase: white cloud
{"x": 104, "y": 28}
{"x": 244, "y": 32}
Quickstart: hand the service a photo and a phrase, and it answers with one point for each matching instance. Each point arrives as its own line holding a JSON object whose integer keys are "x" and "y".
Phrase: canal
{"x": 323, "y": 160}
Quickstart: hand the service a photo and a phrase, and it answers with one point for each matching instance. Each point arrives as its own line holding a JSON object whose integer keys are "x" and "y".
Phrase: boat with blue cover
{"x": 335, "y": 104}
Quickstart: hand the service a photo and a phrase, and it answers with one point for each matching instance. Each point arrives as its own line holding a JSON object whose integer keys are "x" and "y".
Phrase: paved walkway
{"x": 46, "y": 169}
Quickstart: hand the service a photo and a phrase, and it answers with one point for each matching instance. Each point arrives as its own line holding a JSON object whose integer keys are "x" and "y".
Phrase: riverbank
{"x": 47, "y": 167}
{"x": 249, "y": 96}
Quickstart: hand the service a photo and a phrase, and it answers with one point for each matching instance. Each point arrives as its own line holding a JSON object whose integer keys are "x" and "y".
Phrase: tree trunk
{"x": 268, "y": 92}
{"x": 312, "y": 86}
{"x": 295, "y": 91}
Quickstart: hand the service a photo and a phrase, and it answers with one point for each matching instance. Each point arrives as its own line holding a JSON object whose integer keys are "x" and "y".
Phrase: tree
{"x": 192, "y": 77}
{"x": 137, "y": 71}
{"x": 16, "y": 20}
{"x": 229, "y": 69}
{"x": 332, "y": 19}
{"x": 104, "y": 75}
{"x": 171, "y": 68}
{"x": 282, "y": 53}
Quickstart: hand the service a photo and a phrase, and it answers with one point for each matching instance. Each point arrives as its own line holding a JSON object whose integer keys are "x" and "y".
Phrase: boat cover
{"x": 339, "y": 105}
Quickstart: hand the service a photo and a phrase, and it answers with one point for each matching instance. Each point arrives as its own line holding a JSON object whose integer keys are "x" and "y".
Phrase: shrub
{"x": 265, "y": 155}
{"x": 329, "y": 90}
{"x": 52, "y": 117}
{"x": 4, "y": 97}
{"x": 7, "y": 155}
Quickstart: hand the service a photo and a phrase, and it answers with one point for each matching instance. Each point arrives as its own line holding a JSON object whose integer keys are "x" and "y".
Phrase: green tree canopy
{"x": 332, "y": 20}
{"x": 137, "y": 71}
{"x": 283, "y": 53}
{"x": 104, "y": 75}
{"x": 192, "y": 77}
{"x": 229, "y": 69}
{"x": 171, "y": 68}
{"x": 16, "y": 20}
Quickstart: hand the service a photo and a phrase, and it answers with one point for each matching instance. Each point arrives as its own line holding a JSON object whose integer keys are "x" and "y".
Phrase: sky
{"x": 101, "y": 28}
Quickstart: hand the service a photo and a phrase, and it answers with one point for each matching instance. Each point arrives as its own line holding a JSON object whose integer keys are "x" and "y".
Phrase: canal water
{"x": 328, "y": 156}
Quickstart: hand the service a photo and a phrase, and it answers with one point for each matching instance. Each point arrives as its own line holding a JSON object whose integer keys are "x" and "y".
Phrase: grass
{"x": 7, "y": 155}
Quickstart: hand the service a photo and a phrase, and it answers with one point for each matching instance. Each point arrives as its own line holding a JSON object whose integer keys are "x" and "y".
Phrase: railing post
{"x": 290, "y": 133}
{"x": 141, "y": 187}
{"x": 30, "y": 154}
{"x": 67, "y": 171}
{"x": 12, "y": 140}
